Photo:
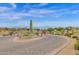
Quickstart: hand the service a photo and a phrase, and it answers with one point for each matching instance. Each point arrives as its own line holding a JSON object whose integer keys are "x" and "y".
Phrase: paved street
{"x": 42, "y": 46}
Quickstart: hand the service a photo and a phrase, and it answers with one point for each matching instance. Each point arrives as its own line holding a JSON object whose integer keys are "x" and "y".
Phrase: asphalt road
{"x": 42, "y": 46}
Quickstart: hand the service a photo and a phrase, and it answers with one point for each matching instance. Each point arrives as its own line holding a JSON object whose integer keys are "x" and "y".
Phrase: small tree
{"x": 31, "y": 29}
{"x": 50, "y": 30}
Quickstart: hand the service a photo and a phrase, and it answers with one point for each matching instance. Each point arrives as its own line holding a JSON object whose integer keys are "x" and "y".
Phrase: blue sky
{"x": 42, "y": 14}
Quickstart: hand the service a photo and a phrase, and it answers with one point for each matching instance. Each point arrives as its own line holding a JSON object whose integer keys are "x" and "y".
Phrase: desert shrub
{"x": 37, "y": 33}
{"x": 77, "y": 45}
{"x": 68, "y": 35}
{"x": 75, "y": 37}
{"x": 26, "y": 34}
{"x": 4, "y": 34}
{"x": 50, "y": 30}
{"x": 10, "y": 33}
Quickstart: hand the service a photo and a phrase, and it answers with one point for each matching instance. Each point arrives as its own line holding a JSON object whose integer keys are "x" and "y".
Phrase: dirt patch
{"x": 69, "y": 49}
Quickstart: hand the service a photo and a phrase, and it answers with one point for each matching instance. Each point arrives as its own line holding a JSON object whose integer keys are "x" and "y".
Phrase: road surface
{"x": 41, "y": 46}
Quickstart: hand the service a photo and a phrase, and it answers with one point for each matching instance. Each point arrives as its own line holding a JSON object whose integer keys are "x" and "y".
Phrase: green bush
{"x": 26, "y": 33}
{"x": 77, "y": 45}
{"x": 50, "y": 30}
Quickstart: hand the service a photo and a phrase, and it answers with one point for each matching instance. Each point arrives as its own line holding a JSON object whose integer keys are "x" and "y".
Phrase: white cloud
{"x": 31, "y": 13}
{"x": 4, "y": 9}
{"x": 45, "y": 13}
{"x": 41, "y": 11}
{"x": 13, "y": 5}
{"x": 27, "y": 14}
{"x": 28, "y": 6}
{"x": 13, "y": 16}
{"x": 9, "y": 16}
{"x": 41, "y": 4}
{"x": 75, "y": 11}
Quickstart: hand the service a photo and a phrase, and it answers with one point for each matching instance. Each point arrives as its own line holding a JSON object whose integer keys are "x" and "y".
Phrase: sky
{"x": 43, "y": 15}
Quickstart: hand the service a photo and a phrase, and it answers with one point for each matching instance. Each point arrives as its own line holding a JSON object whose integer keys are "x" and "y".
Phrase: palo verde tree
{"x": 31, "y": 28}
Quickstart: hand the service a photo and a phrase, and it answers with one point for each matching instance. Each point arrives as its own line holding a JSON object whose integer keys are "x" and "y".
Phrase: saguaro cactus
{"x": 31, "y": 29}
